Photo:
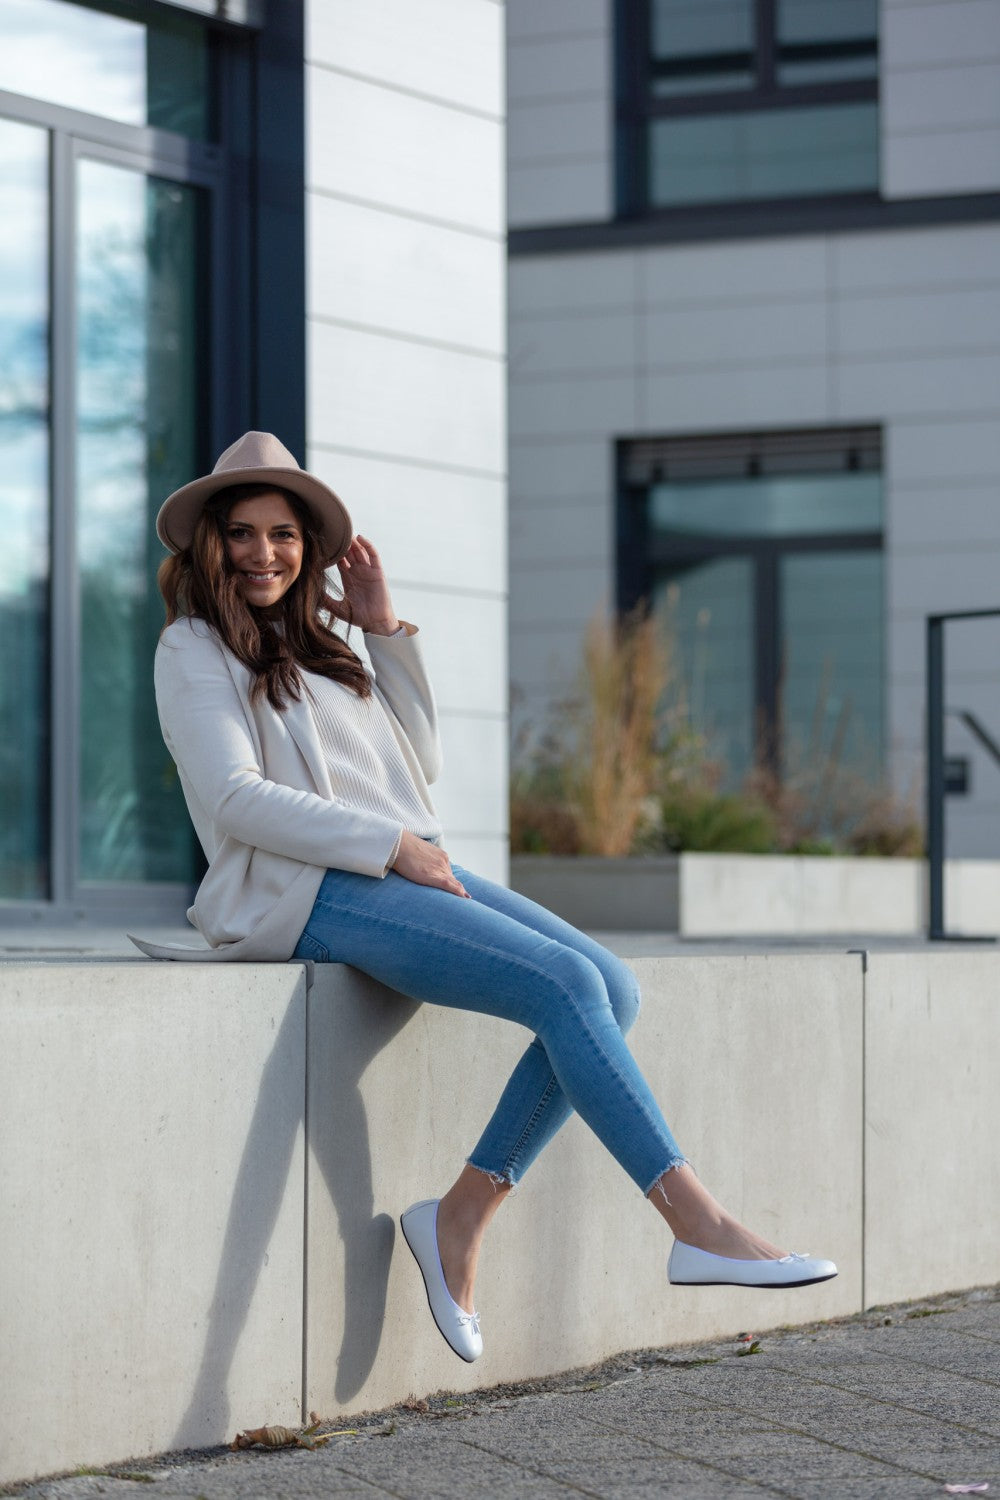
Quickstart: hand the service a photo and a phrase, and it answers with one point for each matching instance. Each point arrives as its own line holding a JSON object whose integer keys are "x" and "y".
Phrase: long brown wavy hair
{"x": 276, "y": 644}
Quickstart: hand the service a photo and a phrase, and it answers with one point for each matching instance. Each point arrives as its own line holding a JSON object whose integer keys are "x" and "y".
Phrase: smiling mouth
{"x": 260, "y": 577}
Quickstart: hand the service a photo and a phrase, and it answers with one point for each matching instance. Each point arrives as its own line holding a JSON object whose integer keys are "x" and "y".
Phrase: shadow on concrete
{"x": 349, "y": 1024}
{"x": 337, "y": 1134}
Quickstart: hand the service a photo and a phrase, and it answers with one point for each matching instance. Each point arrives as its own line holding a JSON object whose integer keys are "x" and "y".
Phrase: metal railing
{"x": 936, "y": 714}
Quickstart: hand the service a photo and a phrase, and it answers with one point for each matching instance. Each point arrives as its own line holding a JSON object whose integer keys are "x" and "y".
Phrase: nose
{"x": 262, "y": 551}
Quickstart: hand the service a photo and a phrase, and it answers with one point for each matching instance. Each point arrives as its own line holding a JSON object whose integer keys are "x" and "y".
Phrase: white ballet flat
{"x": 690, "y": 1267}
{"x": 459, "y": 1329}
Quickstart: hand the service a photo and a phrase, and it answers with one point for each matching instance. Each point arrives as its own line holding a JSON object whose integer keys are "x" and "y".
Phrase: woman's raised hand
{"x": 366, "y": 588}
{"x": 426, "y": 864}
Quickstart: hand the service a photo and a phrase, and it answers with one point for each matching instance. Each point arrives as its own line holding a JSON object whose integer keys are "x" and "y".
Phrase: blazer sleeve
{"x": 402, "y": 681}
{"x": 207, "y": 731}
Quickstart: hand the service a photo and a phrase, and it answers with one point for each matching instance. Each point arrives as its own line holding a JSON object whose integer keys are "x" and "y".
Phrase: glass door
{"x": 139, "y": 398}
{"x": 24, "y": 506}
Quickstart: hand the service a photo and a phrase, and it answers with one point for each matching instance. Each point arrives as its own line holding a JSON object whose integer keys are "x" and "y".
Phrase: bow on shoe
{"x": 469, "y": 1320}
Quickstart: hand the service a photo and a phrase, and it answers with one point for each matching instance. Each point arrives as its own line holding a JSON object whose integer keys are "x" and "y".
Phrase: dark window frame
{"x": 639, "y": 552}
{"x": 636, "y": 106}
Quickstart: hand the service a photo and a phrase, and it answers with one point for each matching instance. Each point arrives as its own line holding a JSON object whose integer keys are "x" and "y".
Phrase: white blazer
{"x": 259, "y": 792}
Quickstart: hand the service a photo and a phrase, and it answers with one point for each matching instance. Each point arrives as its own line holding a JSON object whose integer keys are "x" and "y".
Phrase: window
{"x": 723, "y": 101}
{"x": 130, "y": 354}
{"x": 762, "y": 553}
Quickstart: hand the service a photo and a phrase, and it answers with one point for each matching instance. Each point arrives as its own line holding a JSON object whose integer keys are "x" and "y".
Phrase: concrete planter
{"x": 616, "y": 895}
{"x": 729, "y": 895}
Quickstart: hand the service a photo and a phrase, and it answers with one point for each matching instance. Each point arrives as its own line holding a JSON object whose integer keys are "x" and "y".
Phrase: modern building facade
{"x": 219, "y": 215}
{"x": 755, "y": 364}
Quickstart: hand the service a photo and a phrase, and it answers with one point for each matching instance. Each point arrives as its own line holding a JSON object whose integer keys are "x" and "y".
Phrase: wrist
{"x": 390, "y": 626}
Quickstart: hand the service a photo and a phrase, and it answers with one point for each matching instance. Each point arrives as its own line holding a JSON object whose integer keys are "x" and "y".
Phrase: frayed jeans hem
{"x": 657, "y": 1182}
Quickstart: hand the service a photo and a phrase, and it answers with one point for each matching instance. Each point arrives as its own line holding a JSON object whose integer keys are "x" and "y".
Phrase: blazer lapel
{"x": 298, "y": 721}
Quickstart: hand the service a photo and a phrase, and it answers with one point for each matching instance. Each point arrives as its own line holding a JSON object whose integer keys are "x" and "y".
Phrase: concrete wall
{"x": 406, "y": 348}
{"x": 200, "y": 1182}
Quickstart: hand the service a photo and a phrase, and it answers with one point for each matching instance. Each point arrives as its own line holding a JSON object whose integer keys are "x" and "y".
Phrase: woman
{"x": 307, "y": 780}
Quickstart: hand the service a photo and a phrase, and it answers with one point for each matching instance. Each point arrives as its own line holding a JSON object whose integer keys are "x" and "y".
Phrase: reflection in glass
{"x": 792, "y": 505}
{"x": 700, "y": 45}
{"x": 139, "y": 73}
{"x": 822, "y": 43}
{"x": 138, "y": 389}
{"x": 707, "y": 610}
{"x": 764, "y": 154}
{"x": 24, "y": 508}
{"x": 831, "y": 604}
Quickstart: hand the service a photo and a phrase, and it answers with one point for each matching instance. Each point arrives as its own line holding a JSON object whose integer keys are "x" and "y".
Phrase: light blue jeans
{"x": 502, "y": 955}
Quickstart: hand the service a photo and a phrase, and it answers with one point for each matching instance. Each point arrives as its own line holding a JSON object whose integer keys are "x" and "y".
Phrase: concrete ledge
{"x": 752, "y": 895}
{"x": 180, "y": 1256}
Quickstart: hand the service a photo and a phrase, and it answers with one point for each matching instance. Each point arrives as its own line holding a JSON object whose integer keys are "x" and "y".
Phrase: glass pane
{"x": 832, "y": 609}
{"x": 707, "y": 610}
{"x": 108, "y": 64}
{"x": 24, "y": 507}
{"x": 700, "y": 45}
{"x": 765, "y": 154}
{"x": 139, "y": 386}
{"x": 793, "y": 505}
{"x": 823, "y": 43}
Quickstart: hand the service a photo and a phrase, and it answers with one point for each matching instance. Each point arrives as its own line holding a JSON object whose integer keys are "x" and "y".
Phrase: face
{"x": 264, "y": 542}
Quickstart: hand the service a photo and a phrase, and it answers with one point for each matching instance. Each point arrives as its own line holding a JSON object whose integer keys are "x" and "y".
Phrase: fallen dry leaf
{"x": 280, "y": 1437}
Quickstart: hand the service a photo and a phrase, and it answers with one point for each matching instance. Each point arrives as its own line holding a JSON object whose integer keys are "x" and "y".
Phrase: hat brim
{"x": 179, "y": 513}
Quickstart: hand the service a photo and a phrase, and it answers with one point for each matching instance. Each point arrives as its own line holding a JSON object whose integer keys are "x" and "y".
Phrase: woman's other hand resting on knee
{"x": 426, "y": 864}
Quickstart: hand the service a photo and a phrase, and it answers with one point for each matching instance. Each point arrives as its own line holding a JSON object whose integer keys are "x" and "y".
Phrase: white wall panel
{"x": 959, "y": 161}
{"x": 406, "y": 343}
{"x": 556, "y": 283}
{"x": 739, "y": 331}
{"x": 593, "y": 341}
{"x": 566, "y": 66}
{"x": 376, "y": 268}
{"x": 559, "y": 192}
{"x": 390, "y": 396}
{"x": 463, "y": 638}
{"x": 917, "y": 258}
{"x": 450, "y": 49}
{"x": 581, "y": 405}
{"x": 906, "y": 387}
{"x": 947, "y": 31}
{"x": 557, "y": 536}
{"x": 926, "y": 321}
{"x": 940, "y": 87}
{"x": 729, "y": 272}
{"x": 948, "y": 514}
{"x": 939, "y": 97}
{"x": 556, "y": 18}
{"x": 562, "y": 597}
{"x": 561, "y": 130}
{"x": 931, "y": 452}
{"x": 550, "y": 471}
{"x": 379, "y": 146}
{"x": 475, "y": 762}
{"x": 432, "y": 527}
{"x": 714, "y": 399}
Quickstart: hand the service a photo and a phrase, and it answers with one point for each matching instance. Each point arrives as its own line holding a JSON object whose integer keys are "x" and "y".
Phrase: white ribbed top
{"x": 367, "y": 765}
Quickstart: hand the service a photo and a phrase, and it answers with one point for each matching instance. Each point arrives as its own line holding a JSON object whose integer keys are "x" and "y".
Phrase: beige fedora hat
{"x": 257, "y": 458}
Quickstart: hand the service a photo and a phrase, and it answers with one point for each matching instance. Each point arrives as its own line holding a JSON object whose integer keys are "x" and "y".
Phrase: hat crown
{"x": 255, "y": 450}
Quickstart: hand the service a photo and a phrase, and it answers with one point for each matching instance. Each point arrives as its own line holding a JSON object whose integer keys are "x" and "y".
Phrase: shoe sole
{"x": 430, "y": 1305}
{"x": 760, "y": 1286}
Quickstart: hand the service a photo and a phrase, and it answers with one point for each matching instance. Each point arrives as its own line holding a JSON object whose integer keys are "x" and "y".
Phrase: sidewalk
{"x": 892, "y": 1405}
